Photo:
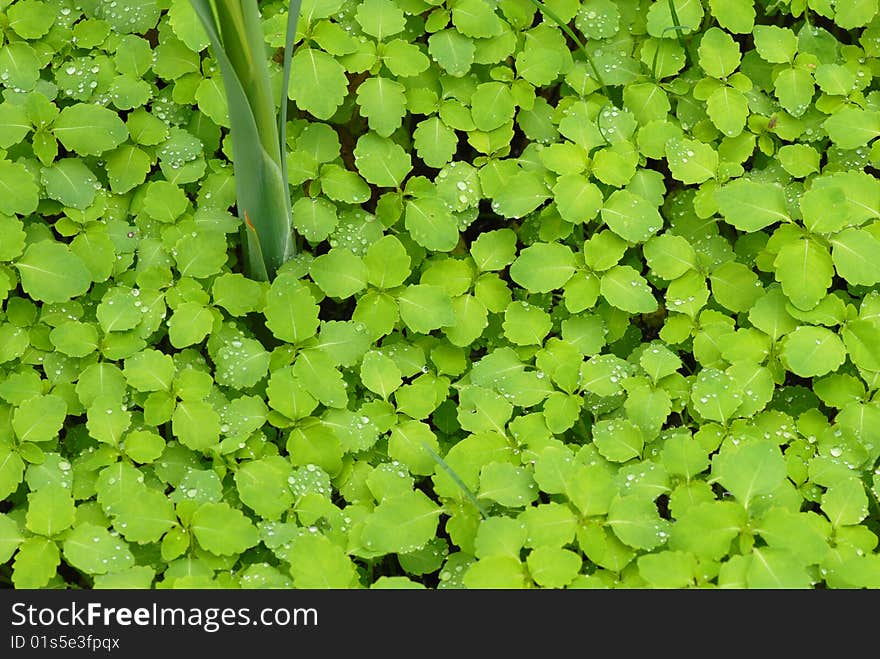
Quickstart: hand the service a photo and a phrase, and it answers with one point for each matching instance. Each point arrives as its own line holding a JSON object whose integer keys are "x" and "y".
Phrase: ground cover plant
{"x": 585, "y": 296}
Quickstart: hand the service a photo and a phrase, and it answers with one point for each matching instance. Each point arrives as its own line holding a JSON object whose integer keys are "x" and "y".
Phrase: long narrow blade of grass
{"x": 263, "y": 197}
{"x": 574, "y": 37}
{"x": 457, "y": 480}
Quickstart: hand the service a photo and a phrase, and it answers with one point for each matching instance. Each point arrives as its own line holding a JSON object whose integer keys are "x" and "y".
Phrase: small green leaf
{"x": 381, "y": 161}
{"x": 21, "y": 194}
{"x": 425, "y": 307}
{"x": 776, "y": 45}
{"x": 543, "y": 267}
{"x": 751, "y": 206}
{"x": 856, "y": 253}
{"x": 383, "y": 102}
{"x": 36, "y": 562}
{"x": 94, "y": 550}
{"x": 50, "y": 510}
{"x": 637, "y": 523}
{"x": 223, "y": 530}
{"x": 196, "y": 424}
{"x": 339, "y": 273}
{"x": 263, "y": 486}
{"x": 719, "y": 53}
{"x": 811, "y": 351}
{"x": 631, "y": 217}
{"x": 318, "y": 83}
{"x": 626, "y": 289}
{"x": 291, "y": 311}
{"x": 88, "y": 129}
{"x": 401, "y": 524}
{"x": 40, "y": 418}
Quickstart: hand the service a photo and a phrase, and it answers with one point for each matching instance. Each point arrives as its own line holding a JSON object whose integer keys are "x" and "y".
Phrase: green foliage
{"x": 586, "y": 295}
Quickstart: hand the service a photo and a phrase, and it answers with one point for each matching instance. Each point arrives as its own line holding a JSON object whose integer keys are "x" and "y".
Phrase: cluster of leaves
{"x": 570, "y": 315}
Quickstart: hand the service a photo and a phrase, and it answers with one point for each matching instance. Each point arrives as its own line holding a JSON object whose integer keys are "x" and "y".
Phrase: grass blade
{"x": 457, "y": 480}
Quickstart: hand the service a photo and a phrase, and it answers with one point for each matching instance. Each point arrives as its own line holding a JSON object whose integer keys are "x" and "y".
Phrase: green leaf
{"x": 707, "y": 529}
{"x": 10, "y": 537}
{"x": 474, "y": 18}
{"x": 493, "y": 250}
{"x": 728, "y": 109}
{"x": 400, "y": 524}
{"x": 856, "y": 253}
{"x": 404, "y": 59}
{"x": 776, "y": 45}
{"x": 50, "y": 510}
{"x": 381, "y": 161}
{"x": 719, "y": 53}
{"x": 751, "y": 206}
{"x": 850, "y": 128}
{"x": 223, "y": 530}
{"x": 507, "y": 484}
{"x": 618, "y": 440}
{"x": 796, "y": 532}
{"x": 862, "y": 340}
{"x": 775, "y": 568}
{"x": 127, "y": 167}
{"x": 492, "y": 105}
{"x": 520, "y": 195}
{"x": 691, "y": 161}
{"x": 383, "y": 102}
{"x": 291, "y": 311}
{"x": 149, "y": 370}
{"x": 435, "y": 142}
{"x": 200, "y": 255}
{"x": 431, "y": 224}
{"x": 380, "y": 18}
{"x": 36, "y": 562}
{"x": 631, "y": 217}
{"x": 714, "y": 395}
{"x": 20, "y": 193}
{"x": 318, "y": 373}
{"x": 670, "y": 256}
{"x": 577, "y": 199}
{"x": 750, "y": 470}
{"x": 388, "y": 263}
{"x": 425, "y": 307}
{"x": 88, "y": 129}
{"x": 70, "y": 182}
{"x": 735, "y": 286}
{"x": 40, "y": 418}
{"x": 811, "y": 351}
{"x": 543, "y": 267}
{"x": 318, "y": 83}
{"x": 339, "y": 273}
{"x": 316, "y": 562}
{"x": 794, "y": 88}
{"x": 805, "y": 269}
{"x": 637, "y": 523}
{"x": 380, "y": 374}
{"x": 689, "y": 13}
{"x": 553, "y": 567}
{"x": 144, "y": 518}
{"x": 189, "y": 324}
{"x": 263, "y": 486}
{"x": 737, "y": 16}
{"x": 626, "y": 289}
{"x": 495, "y": 572}
{"x": 19, "y": 66}
{"x": 845, "y": 502}
{"x": 196, "y": 424}
{"x": 94, "y": 550}
{"x": 453, "y": 51}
